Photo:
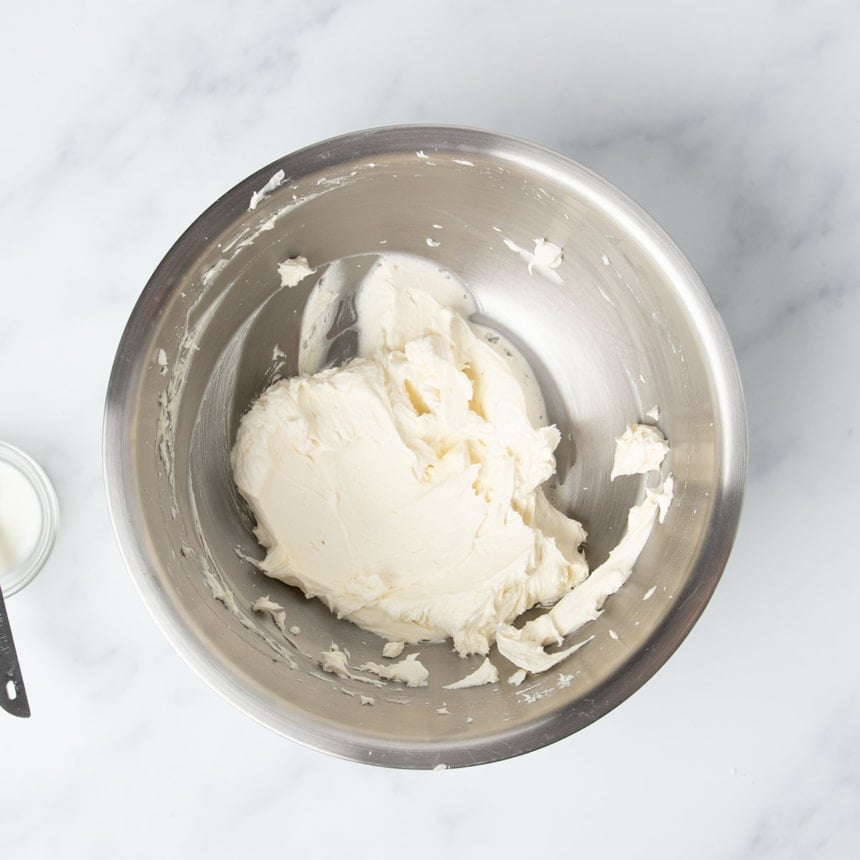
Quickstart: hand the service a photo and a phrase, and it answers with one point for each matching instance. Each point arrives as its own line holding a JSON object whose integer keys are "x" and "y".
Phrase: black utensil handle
{"x": 13, "y": 696}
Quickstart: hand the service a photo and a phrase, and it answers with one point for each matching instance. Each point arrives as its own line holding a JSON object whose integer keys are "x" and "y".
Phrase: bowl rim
{"x": 128, "y": 368}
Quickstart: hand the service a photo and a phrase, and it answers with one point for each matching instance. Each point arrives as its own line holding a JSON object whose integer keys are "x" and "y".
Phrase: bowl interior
{"x": 628, "y": 328}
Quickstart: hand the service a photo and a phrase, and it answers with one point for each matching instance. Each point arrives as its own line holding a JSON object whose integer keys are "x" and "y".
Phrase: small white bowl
{"x": 23, "y": 569}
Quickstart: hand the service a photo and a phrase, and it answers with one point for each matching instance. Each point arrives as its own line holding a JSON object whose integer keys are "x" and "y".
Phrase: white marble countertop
{"x": 735, "y": 124}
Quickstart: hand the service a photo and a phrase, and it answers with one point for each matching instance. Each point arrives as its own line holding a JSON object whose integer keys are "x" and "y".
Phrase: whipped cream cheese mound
{"x": 403, "y": 489}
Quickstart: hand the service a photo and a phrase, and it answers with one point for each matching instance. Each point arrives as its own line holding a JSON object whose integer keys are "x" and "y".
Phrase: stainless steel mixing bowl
{"x": 631, "y": 327}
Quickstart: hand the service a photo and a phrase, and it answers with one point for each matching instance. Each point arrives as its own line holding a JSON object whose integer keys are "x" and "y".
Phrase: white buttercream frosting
{"x": 545, "y": 259}
{"x": 546, "y": 254}
{"x": 525, "y": 646}
{"x": 275, "y": 181}
{"x": 336, "y": 661}
{"x": 275, "y": 610}
{"x": 294, "y": 270}
{"x": 486, "y": 673}
{"x": 411, "y": 671}
{"x": 404, "y": 488}
{"x": 641, "y": 448}
{"x": 393, "y": 649}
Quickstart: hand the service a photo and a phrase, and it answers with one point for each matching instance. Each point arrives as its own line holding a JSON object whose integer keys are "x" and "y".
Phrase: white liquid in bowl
{"x": 20, "y": 518}
{"x": 29, "y": 515}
